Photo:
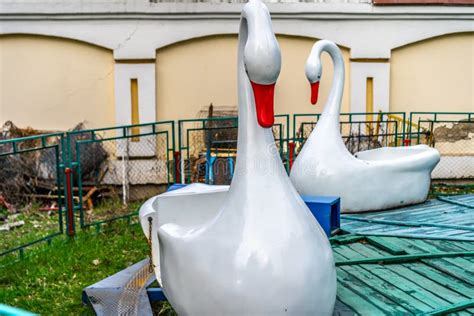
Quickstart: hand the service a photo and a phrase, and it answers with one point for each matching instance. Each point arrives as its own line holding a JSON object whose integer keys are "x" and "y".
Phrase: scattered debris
{"x": 7, "y": 205}
{"x": 453, "y": 132}
{"x": 32, "y": 174}
{"x": 9, "y": 226}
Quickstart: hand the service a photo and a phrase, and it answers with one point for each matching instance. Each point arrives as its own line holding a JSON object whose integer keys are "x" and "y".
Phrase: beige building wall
{"x": 53, "y": 84}
{"x": 193, "y": 74}
{"x": 434, "y": 75}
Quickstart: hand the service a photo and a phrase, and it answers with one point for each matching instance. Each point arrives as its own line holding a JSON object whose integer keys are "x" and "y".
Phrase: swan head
{"x": 262, "y": 60}
{"x": 314, "y": 71}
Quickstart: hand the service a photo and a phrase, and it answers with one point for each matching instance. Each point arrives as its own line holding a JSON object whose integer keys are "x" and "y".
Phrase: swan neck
{"x": 255, "y": 145}
{"x": 333, "y": 104}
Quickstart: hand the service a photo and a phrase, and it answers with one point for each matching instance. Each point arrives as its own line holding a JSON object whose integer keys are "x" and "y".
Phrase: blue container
{"x": 326, "y": 210}
{"x": 176, "y": 186}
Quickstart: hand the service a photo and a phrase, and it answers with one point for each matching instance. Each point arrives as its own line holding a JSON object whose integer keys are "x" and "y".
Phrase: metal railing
{"x": 31, "y": 170}
{"x": 52, "y": 183}
{"x": 450, "y": 133}
{"x": 208, "y": 147}
{"x": 360, "y": 131}
{"x": 110, "y": 164}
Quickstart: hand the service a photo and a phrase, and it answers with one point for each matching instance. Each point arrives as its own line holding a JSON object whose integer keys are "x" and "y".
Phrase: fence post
{"x": 177, "y": 159}
{"x": 70, "y": 211}
{"x": 292, "y": 152}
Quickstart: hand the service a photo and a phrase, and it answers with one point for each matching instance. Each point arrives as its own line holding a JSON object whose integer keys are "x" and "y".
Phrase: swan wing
{"x": 187, "y": 207}
{"x": 401, "y": 158}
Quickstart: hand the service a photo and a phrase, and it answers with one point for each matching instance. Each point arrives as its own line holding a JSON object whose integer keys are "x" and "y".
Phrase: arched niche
{"x": 194, "y": 73}
{"x": 435, "y": 74}
{"x": 54, "y": 83}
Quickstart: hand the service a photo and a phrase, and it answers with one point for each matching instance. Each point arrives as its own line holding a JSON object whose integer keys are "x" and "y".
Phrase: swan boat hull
{"x": 370, "y": 180}
{"x": 378, "y": 179}
{"x": 261, "y": 287}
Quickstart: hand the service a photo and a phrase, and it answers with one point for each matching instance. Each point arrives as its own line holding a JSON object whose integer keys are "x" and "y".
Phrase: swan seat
{"x": 370, "y": 180}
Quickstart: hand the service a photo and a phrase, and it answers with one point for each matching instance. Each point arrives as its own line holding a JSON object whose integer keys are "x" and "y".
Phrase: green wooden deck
{"x": 394, "y": 275}
{"x": 442, "y": 218}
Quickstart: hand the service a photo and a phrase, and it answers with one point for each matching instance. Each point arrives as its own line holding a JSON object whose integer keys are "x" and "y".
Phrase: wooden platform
{"x": 442, "y": 218}
{"x": 429, "y": 271}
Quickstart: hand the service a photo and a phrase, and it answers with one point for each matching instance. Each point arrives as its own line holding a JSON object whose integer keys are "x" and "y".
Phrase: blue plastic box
{"x": 326, "y": 210}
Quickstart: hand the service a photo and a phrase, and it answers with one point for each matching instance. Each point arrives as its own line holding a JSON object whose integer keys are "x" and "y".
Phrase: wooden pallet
{"x": 442, "y": 218}
{"x": 380, "y": 275}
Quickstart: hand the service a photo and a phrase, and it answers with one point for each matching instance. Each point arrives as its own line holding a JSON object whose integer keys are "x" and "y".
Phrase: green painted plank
{"x": 405, "y": 280}
{"x": 462, "y": 313}
{"x": 460, "y": 244}
{"x": 427, "y": 284}
{"x": 453, "y": 308}
{"x": 412, "y": 277}
{"x": 381, "y": 243}
{"x": 415, "y": 291}
{"x": 369, "y": 295}
{"x": 337, "y": 256}
{"x": 439, "y": 264}
{"x": 449, "y": 200}
{"x": 386, "y": 288}
{"x": 441, "y": 245}
{"x": 349, "y": 253}
{"x": 405, "y": 223}
{"x": 449, "y": 269}
{"x": 359, "y": 304}
{"x": 346, "y": 239}
{"x": 406, "y": 258}
{"x": 439, "y": 277}
{"x": 434, "y": 246}
{"x": 368, "y": 250}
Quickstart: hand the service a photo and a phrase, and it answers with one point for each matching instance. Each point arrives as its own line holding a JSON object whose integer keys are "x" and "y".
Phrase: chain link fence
{"x": 208, "y": 147}
{"x": 116, "y": 169}
{"x": 90, "y": 177}
{"x": 31, "y": 195}
{"x": 452, "y": 134}
{"x": 360, "y": 131}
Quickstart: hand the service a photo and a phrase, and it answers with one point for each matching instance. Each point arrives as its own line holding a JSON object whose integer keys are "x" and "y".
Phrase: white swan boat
{"x": 375, "y": 179}
{"x": 253, "y": 248}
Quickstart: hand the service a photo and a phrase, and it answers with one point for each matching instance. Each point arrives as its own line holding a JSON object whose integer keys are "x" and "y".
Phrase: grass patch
{"x": 441, "y": 188}
{"x": 37, "y": 225}
{"x": 49, "y": 279}
{"x": 107, "y": 209}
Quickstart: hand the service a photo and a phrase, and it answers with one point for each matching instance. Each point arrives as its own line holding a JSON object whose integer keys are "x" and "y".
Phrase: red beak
{"x": 314, "y": 92}
{"x": 263, "y": 94}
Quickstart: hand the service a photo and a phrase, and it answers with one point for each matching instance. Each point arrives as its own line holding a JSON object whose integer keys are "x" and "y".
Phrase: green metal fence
{"x": 208, "y": 147}
{"x": 89, "y": 177}
{"x": 115, "y": 169}
{"x": 450, "y": 133}
{"x": 31, "y": 191}
{"x": 360, "y": 131}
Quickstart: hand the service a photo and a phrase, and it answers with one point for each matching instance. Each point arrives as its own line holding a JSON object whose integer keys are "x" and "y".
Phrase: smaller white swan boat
{"x": 375, "y": 179}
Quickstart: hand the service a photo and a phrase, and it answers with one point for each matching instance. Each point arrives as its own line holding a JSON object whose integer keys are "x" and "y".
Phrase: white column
{"x": 145, "y": 75}
{"x": 380, "y": 72}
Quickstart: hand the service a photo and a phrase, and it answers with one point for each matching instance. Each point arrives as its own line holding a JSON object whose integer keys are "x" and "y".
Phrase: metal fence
{"x": 360, "y": 131}
{"x": 31, "y": 192}
{"x": 114, "y": 169}
{"x": 452, "y": 134}
{"x": 208, "y": 147}
{"x": 89, "y": 177}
